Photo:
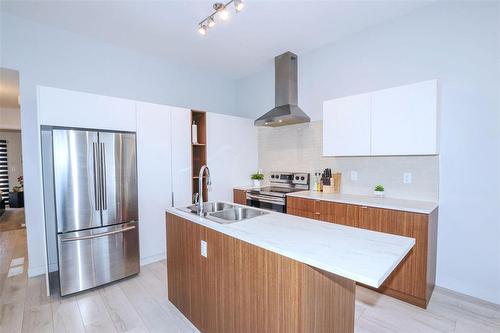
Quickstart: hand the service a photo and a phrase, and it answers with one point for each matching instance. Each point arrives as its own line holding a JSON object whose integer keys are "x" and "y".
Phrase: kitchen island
{"x": 275, "y": 272}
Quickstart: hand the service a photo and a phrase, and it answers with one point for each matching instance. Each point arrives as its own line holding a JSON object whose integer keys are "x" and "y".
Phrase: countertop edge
{"x": 359, "y": 202}
{"x": 307, "y": 261}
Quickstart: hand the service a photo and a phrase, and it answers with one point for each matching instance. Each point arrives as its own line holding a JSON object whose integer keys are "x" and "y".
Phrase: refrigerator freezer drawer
{"x": 94, "y": 257}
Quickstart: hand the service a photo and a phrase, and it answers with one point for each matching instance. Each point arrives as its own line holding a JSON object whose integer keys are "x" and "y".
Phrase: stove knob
{"x": 296, "y": 177}
{"x": 272, "y": 176}
{"x": 302, "y": 178}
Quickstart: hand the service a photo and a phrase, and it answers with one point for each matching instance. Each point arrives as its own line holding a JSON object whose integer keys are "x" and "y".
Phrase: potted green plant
{"x": 257, "y": 177}
{"x": 379, "y": 191}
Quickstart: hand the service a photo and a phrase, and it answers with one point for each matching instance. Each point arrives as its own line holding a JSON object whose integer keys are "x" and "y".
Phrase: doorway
{"x": 13, "y": 261}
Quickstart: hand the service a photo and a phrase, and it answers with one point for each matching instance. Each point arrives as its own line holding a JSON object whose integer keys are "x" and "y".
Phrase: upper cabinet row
{"x": 395, "y": 121}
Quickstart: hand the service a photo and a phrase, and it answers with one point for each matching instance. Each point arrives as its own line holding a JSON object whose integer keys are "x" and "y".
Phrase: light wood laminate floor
{"x": 140, "y": 304}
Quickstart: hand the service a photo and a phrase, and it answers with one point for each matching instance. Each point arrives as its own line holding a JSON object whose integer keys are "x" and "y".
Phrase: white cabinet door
{"x": 404, "y": 120}
{"x": 231, "y": 153}
{"x": 60, "y": 107}
{"x": 154, "y": 177}
{"x": 181, "y": 156}
{"x": 346, "y": 126}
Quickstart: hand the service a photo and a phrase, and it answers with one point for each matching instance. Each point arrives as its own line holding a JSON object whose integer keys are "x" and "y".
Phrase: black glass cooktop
{"x": 278, "y": 189}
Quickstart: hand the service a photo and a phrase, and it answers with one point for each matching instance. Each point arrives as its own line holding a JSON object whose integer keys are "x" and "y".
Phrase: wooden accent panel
{"x": 413, "y": 280}
{"x": 239, "y": 197}
{"x": 243, "y": 288}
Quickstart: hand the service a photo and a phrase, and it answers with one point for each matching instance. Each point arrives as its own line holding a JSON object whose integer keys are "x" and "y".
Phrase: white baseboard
{"x": 152, "y": 259}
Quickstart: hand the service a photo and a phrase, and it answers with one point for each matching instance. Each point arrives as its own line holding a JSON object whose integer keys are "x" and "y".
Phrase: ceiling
{"x": 9, "y": 88}
{"x": 239, "y": 47}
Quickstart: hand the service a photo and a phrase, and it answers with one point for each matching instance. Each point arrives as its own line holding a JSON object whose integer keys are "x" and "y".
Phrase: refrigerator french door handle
{"x": 71, "y": 239}
{"x": 104, "y": 199}
{"x": 97, "y": 191}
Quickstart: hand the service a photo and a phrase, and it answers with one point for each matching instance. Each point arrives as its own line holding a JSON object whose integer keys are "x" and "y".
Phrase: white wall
{"x": 10, "y": 118}
{"x": 57, "y": 58}
{"x": 458, "y": 44}
{"x": 15, "y": 162}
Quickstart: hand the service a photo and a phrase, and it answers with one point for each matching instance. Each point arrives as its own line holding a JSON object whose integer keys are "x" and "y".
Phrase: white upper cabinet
{"x": 61, "y": 107}
{"x": 231, "y": 153}
{"x": 346, "y": 126}
{"x": 404, "y": 120}
{"x": 181, "y": 156}
{"x": 154, "y": 176}
{"x": 395, "y": 121}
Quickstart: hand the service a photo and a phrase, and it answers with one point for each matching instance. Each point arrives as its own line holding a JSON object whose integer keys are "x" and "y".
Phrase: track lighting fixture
{"x": 221, "y": 13}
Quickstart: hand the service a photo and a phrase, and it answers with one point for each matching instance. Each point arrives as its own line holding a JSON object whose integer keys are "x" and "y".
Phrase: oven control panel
{"x": 300, "y": 178}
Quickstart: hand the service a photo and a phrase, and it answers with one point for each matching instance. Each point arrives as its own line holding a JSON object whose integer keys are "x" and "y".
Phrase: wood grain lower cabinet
{"x": 240, "y": 197}
{"x": 413, "y": 280}
{"x": 240, "y": 287}
{"x": 303, "y": 207}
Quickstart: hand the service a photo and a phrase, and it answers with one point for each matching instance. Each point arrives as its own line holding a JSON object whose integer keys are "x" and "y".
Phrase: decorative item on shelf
{"x": 257, "y": 177}
{"x": 20, "y": 187}
{"x": 194, "y": 133}
{"x": 379, "y": 191}
{"x": 221, "y": 13}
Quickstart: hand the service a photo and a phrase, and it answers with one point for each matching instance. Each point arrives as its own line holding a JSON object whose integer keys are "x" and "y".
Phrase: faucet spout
{"x": 200, "y": 187}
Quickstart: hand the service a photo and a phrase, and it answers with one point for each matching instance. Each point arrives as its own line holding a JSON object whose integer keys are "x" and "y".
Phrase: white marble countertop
{"x": 361, "y": 255}
{"x": 414, "y": 206}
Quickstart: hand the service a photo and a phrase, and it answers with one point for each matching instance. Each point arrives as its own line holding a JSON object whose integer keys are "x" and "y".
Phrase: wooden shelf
{"x": 199, "y": 151}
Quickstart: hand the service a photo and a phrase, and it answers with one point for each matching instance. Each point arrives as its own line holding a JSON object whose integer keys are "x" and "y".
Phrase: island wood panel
{"x": 240, "y": 287}
{"x": 240, "y": 197}
{"x": 414, "y": 278}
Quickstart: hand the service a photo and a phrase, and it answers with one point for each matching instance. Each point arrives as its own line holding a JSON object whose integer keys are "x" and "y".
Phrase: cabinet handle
{"x": 317, "y": 213}
{"x": 364, "y": 207}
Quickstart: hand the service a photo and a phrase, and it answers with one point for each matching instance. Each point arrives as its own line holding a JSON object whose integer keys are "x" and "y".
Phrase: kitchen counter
{"x": 360, "y": 255}
{"x": 414, "y": 206}
{"x": 248, "y": 187}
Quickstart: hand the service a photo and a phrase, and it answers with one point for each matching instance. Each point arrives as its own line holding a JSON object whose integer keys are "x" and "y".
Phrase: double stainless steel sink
{"x": 224, "y": 213}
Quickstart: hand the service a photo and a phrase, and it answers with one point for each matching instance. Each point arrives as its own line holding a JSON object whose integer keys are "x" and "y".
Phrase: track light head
{"x": 202, "y": 29}
{"x": 238, "y": 5}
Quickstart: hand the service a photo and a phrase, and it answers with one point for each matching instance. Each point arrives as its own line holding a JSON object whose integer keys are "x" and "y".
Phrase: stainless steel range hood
{"x": 286, "y": 111}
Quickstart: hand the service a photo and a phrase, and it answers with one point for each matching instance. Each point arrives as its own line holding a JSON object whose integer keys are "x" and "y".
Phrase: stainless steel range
{"x": 273, "y": 197}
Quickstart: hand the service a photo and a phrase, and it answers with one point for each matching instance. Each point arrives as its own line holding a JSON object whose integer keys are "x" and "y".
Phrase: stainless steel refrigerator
{"x": 95, "y": 189}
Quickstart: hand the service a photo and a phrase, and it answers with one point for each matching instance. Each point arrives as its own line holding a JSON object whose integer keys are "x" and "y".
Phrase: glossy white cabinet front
{"x": 396, "y": 121}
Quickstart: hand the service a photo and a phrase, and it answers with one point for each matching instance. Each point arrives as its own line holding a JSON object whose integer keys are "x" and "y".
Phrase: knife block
{"x": 335, "y": 184}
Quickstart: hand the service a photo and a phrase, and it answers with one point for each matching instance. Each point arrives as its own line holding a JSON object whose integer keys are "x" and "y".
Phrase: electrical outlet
{"x": 204, "y": 248}
{"x": 407, "y": 178}
{"x": 354, "y": 176}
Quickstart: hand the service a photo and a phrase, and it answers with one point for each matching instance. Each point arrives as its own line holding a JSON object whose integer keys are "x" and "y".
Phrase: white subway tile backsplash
{"x": 299, "y": 148}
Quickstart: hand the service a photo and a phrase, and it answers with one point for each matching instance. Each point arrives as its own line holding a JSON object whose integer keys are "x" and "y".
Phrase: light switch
{"x": 204, "y": 248}
{"x": 354, "y": 176}
{"x": 407, "y": 177}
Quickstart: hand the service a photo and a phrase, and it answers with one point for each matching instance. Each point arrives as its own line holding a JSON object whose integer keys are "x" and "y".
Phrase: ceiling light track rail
{"x": 220, "y": 12}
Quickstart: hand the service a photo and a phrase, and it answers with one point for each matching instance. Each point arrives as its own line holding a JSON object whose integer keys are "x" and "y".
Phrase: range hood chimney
{"x": 286, "y": 111}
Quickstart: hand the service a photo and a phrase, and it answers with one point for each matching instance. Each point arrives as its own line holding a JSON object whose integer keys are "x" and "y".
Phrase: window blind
{"x": 4, "y": 171}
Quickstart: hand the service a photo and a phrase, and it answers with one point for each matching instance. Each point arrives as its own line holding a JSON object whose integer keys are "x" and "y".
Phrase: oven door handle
{"x": 265, "y": 199}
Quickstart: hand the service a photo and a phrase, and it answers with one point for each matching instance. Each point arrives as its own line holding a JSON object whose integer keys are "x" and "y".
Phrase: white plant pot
{"x": 379, "y": 194}
{"x": 256, "y": 183}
